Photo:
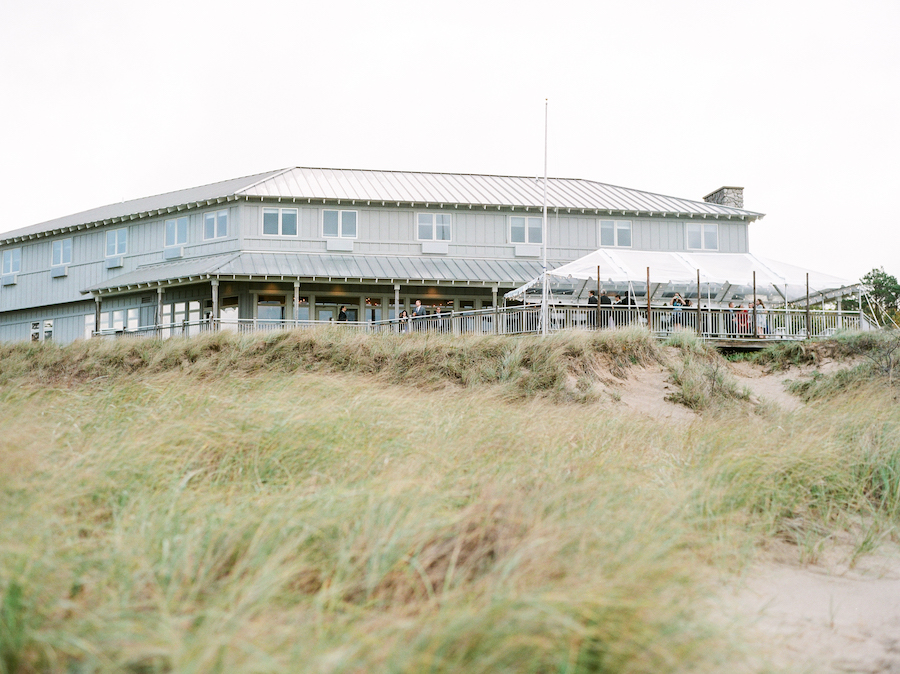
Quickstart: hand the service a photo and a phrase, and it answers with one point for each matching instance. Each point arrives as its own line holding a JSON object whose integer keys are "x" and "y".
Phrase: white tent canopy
{"x": 719, "y": 272}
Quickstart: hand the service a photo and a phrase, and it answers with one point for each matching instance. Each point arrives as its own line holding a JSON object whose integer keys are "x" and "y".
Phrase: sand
{"x": 828, "y": 617}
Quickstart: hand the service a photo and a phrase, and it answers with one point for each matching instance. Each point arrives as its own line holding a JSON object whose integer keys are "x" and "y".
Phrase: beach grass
{"x": 328, "y": 502}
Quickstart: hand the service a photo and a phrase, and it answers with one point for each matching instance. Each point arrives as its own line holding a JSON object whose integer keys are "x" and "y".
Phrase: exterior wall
{"x": 36, "y": 286}
{"x": 474, "y": 233}
{"x": 68, "y": 321}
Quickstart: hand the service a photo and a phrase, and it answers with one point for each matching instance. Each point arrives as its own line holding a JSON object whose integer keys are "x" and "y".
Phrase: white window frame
{"x": 703, "y": 227}
{"x": 176, "y": 231}
{"x": 618, "y": 227}
{"x": 216, "y": 215}
{"x": 12, "y": 261}
{"x": 340, "y": 233}
{"x": 62, "y": 259}
{"x": 281, "y": 212}
{"x": 433, "y": 226}
{"x": 119, "y": 241}
{"x": 526, "y": 218}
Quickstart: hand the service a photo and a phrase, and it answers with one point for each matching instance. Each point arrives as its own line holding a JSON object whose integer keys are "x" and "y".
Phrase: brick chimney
{"x": 726, "y": 196}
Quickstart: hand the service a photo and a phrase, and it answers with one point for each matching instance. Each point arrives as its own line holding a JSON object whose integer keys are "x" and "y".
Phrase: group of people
{"x": 416, "y": 321}
{"x": 739, "y": 319}
{"x": 614, "y": 309}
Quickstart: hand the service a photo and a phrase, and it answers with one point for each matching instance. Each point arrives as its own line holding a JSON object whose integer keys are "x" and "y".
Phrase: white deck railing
{"x": 715, "y": 324}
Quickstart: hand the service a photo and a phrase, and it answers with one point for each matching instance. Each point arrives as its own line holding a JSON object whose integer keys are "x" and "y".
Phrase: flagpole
{"x": 544, "y": 303}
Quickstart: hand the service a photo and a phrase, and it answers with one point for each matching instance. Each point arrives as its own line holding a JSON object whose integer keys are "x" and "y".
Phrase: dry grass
{"x": 323, "y": 504}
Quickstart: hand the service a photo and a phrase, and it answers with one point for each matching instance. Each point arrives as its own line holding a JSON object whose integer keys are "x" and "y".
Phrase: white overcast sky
{"x": 798, "y": 102}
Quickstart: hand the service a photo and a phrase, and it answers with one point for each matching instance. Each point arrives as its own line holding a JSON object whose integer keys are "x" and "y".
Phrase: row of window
{"x": 343, "y": 224}
{"x": 437, "y": 227}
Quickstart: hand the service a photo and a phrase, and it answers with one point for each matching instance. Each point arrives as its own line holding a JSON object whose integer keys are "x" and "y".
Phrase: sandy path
{"x": 826, "y": 618}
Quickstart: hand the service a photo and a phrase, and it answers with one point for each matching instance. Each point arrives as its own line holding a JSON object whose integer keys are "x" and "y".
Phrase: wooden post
{"x": 807, "y": 305}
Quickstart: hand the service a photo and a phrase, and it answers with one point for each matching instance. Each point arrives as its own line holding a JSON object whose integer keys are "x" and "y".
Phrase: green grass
{"x": 326, "y": 502}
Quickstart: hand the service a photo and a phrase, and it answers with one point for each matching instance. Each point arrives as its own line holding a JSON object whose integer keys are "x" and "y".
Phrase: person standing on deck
{"x": 417, "y": 315}
{"x": 592, "y": 309}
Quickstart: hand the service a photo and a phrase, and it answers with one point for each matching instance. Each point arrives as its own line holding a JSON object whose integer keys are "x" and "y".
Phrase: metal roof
{"x": 313, "y": 266}
{"x": 140, "y": 208}
{"x": 395, "y": 187}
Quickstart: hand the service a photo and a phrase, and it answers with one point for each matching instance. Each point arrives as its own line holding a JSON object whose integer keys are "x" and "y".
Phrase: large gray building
{"x": 300, "y": 242}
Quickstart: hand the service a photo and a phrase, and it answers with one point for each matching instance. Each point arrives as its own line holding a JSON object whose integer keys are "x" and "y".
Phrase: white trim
{"x": 10, "y": 251}
{"x": 434, "y": 227}
{"x": 215, "y": 215}
{"x": 340, "y": 232}
{"x": 701, "y": 226}
{"x": 281, "y": 211}
{"x": 176, "y": 240}
{"x": 62, "y": 261}
{"x": 616, "y": 224}
{"x": 527, "y": 240}
{"x": 116, "y": 253}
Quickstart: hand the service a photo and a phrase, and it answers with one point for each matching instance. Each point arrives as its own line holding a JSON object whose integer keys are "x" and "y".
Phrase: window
{"x": 525, "y": 230}
{"x": 62, "y": 253}
{"x": 215, "y": 225}
{"x": 12, "y": 261}
{"x": 176, "y": 231}
{"x": 702, "y": 236}
{"x": 339, "y": 224}
{"x": 280, "y": 221}
{"x": 615, "y": 233}
{"x": 434, "y": 226}
{"x": 116, "y": 242}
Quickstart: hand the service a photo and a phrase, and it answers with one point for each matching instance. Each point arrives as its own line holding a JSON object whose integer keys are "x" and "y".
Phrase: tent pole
{"x": 807, "y": 305}
{"x": 649, "y": 316}
{"x": 598, "y": 298}
{"x": 699, "y": 328}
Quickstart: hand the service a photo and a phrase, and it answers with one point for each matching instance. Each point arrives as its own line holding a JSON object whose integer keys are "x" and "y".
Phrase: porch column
{"x": 296, "y": 301}
{"x": 159, "y": 308}
{"x": 96, "y": 313}
{"x": 362, "y": 309}
{"x": 214, "y": 319}
{"x": 397, "y": 301}
{"x": 494, "y": 307}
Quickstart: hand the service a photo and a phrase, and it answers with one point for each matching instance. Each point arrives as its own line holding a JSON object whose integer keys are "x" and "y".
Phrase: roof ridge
{"x": 269, "y": 176}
